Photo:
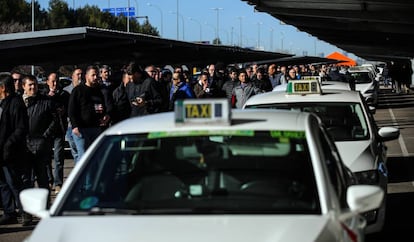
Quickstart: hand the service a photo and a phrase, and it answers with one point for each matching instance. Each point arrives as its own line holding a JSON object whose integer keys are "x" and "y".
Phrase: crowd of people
{"x": 36, "y": 120}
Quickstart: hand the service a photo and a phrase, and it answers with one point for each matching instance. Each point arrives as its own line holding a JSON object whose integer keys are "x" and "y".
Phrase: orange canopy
{"x": 346, "y": 61}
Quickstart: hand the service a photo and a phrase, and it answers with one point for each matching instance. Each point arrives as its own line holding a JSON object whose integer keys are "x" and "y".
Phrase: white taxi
{"x": 348, "y": 119}
{"x": 208, "y": 173}
{"x": 366, "y": 83}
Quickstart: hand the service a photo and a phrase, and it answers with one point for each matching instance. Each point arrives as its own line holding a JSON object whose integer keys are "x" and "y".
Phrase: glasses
{"x": 15, "y": 80}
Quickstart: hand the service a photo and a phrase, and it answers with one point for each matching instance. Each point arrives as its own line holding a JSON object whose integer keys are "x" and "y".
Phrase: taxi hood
{"x": 183, "y": 228}
{"x": 356, "y": 155}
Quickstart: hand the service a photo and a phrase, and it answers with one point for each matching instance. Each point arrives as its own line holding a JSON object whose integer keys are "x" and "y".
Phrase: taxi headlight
{"x": 369, "y": 177}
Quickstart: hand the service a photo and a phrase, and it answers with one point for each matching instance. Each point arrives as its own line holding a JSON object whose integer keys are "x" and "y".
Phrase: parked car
{"x": 348, "y": 118}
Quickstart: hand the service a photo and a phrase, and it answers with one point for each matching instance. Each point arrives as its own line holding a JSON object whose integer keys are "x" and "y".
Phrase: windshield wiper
{"x": 102, "y": 211}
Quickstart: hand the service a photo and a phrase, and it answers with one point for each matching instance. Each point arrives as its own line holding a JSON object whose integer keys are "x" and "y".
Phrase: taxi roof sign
{"x": 307, "y": 85}
{"x": 202, "y": 111}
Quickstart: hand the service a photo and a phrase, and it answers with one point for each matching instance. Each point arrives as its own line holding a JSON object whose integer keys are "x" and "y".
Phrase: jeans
{"x": 86, "y": 138}
{"x": 10, "y": 187}
{"x": 58, "y": 159}
{"x": 72, "y": 145}
{"x": 88, "y": 135}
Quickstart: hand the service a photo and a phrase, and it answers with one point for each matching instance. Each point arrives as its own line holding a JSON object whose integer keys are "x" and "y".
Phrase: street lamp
{"x": 241, "y": 34}
{"x": 33, "y": 12}
{"x": 201, "y": 28}
{"x": 271, "y": 39}
{"x": 177, "y": 22}
{"x": 217, "y": 29}
{"x": 159, "y": 9}
{"x": 258, "y": 34}
{"x": 128, "y": 16}
{"x": 281, "y": 41}
{"x": 182, "y": 19}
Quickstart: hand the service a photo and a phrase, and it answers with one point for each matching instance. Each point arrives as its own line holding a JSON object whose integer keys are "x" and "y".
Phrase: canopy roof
{"x": 374, "y": 30}
{"x": 87, "y": 45}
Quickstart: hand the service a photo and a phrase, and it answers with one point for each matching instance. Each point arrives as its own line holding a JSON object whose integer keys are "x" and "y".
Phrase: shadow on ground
{"x": 399, "y": 221}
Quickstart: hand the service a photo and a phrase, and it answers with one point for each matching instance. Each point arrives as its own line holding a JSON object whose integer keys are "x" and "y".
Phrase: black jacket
{"x": 43, "y": 123}
{"x": 82, "y": 113}
{"x": 149, "y": 91}
{"x": 13, "y": 130}
{"x": 61, "y": 102}
{"x": 122, "y": 106}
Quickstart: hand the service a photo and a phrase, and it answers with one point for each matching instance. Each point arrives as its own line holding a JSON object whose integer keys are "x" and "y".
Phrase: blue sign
{"x": 120, "y": 11}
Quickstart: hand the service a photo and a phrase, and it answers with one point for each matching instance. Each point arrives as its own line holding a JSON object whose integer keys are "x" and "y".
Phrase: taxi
{"x": 349, "y": 120}
{"x": 366, "y": 83}
{"x": 208, "y": 173}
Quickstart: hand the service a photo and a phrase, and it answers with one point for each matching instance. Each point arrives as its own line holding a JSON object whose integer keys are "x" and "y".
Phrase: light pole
{"x": 231, "y": 36}
{"x": 241, "y": 34}
{"x": 281, "y": 41}
{"x": 136, "y": 8}
{"x": 182, "y": 19}
{"x": 159, "y": 9}
{"x": 177, "y": 23}
{"x": 33, "y": 12}
{"x": 271, "y": 39}
{"x": 217, "y": 29}
{"x": 258, "y": 34}
{"x": 128, "y": 16}
{"x": 201, "y": 28}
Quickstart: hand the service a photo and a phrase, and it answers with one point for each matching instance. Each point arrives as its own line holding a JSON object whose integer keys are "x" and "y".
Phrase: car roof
{"x": 328, "y": 95}
{"x": 360, "y": 69}
{"x": 324, "y": 85}
{"x": 264, "y": 119}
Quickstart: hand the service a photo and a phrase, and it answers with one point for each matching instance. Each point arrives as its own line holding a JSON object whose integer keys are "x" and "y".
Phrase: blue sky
{"x": 238, "y": 24}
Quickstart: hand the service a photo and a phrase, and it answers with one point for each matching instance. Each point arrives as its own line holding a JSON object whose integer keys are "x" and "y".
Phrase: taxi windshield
{"x": 197, "y": 172}
{"x": 361, "y": 77}
{"x": 345, "y": 121}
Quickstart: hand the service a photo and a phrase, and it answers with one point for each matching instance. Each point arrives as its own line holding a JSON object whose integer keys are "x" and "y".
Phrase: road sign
{"x": 125, "y": 11}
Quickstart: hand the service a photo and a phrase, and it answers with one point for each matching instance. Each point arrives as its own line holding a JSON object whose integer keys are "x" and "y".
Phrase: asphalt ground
{"x": 393, "y": 110}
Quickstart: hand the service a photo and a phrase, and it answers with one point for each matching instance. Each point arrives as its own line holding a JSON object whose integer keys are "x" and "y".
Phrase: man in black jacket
{"x": 43, "y": 123}
{"x": 13, "y": 131}
{"x": 87, "y": 111}
{"x": 143, "y": 91}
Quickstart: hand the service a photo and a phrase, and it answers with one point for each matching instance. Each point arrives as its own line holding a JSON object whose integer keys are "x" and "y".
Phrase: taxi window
{"x": 361, "y": 77}
{"x": 345, "y": 121}
{"x": 237, "y": 172}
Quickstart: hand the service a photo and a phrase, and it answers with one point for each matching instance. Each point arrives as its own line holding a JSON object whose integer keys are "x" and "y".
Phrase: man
{"x": 122, "y": 106}
{"x": 143, "y": 92}
{"x": 43, "y": 123}
{"x": 231, "y": 83}
{"x": 180, "y": 90}
{"x": 76, "y": 80}
{"x": 17, "y": 77}
{"x": 107, "y": 88}
{"x": 87, "y": 111}
{"x": 13, "y": 131}
{"x": 61, "y": 100}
